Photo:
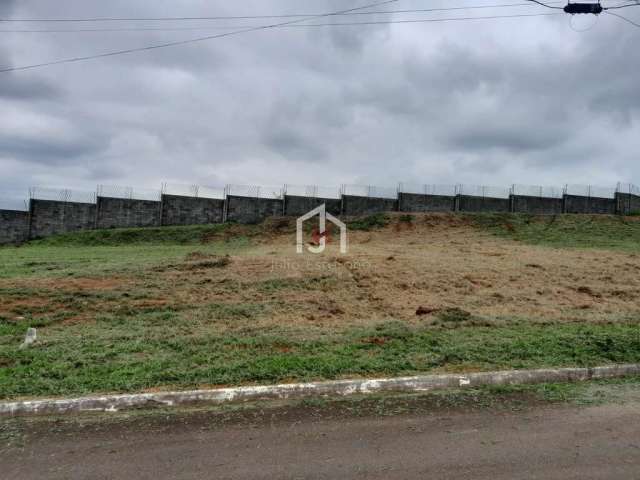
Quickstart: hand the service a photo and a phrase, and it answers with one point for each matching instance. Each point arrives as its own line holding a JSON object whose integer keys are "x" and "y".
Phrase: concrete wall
{"x": 468, "y": 203}
{"x": 627, "y": 203}
{"x": 354, "y": 205}
{"x": 252, "y": 209}
{"x": 51, "y": 217}
{"x": 126, "y": 213}
{"x": 579, "y": 204}
{"x": 48, "y": 217}
{"x": 414, "y": 202}
{"x": 14, "y": 226}
{"x": 179, "y": 210}
{"x": 536, "y": 205}
{"x": 295, "y": 206}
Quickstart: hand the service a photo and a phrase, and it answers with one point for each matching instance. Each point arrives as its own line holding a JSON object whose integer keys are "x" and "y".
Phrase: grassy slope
{"x": 107, "y": 252}
{"x": 159, "y": 346}
{"x": 566, "y": 231}
{"x": 126, "y": 353}
{"x": 134, "y": 236}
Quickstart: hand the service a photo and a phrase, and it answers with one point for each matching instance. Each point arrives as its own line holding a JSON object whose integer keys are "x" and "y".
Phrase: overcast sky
{"x": 496, "y": 102}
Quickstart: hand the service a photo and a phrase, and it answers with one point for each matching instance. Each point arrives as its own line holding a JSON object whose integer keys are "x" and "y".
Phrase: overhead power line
{"x": 311, "y": 25}
{"x": 545, "y": 4}
{"x": 188, "y": 41}
{"x": 615, "y": 7}
{"x": 582, "y": 7}
{"x": 527, "y": 3}
{"x": 292, "y": 23}
{"x": 625, "y": 19}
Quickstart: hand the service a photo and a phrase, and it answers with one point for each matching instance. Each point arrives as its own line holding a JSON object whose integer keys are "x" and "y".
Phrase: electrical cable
{"x": 291, "y": 23}
{"x": 616, "y": 7}
{"x": 188, "y": 41}
{"x": 546, "y": 5}
{"x": 255, "y": 17}
{"x": 341, "y": 24}
{"x": 604, "y": 9}
{"x": 624, "y": 18}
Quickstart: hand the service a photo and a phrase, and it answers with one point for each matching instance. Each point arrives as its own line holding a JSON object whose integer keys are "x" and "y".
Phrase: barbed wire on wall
{"x": 196, "y": 191}
{"x": 61, "y": 195}
{"x": 629, "y": 188}
{"x": 128, "y": 193}
{"x": 256, "y": 191}
{"x": 372, "y": 191}
{"x": 417, "y": 189}
{"x": 314, "y": 191}
{"x": 537, "y": 191}
{"x": 483, "y": 191}
{"x": 592, "y": 191}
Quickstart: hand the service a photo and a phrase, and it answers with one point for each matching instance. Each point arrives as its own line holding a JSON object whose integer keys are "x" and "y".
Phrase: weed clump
{"x": 371, "y": 222}
{"x": 197, "y": 261}
{"x": 213, "y": 262}
{"x": 454, "y": 315}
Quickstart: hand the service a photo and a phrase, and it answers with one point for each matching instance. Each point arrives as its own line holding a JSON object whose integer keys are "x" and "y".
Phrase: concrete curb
{"x": 112, "y": 403}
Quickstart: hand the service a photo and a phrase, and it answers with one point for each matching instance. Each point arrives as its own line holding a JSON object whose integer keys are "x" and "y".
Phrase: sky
{"x": 545, "y": 100}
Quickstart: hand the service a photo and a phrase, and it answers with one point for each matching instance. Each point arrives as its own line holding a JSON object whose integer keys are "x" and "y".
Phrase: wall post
{"x": 225, "y": 206}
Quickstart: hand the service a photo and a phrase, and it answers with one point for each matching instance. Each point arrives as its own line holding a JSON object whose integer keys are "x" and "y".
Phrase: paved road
{"x": 542, "y": 442}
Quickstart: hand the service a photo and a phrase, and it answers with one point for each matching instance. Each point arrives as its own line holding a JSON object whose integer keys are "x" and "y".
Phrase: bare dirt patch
{"x": 410, "y": 270}
{"x": 412, "y": 273}
{"x": 440, "y": 263}
{"x": 70, "y": 284}
{"x": 70, "y": 300}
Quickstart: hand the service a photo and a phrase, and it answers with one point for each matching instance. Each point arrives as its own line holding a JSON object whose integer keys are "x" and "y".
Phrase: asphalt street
{"x": 545, "y": 442}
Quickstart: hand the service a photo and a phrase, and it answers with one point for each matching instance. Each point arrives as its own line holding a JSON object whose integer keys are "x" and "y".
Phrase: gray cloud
{"x": 496, "y": 102}
{"x": 6, "y": 6}
{"x": 47, "y": 151}
{"x": 14, "y": 88}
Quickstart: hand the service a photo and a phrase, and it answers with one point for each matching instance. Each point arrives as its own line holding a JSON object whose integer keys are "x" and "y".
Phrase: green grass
{"x": 123, "y": 347}
{"x": 123, "y": 353}
{"x": 565, "y": 231}
{"x": 105, "y": 252}
{"x": 370, "y": 222}
{"x": 69, "y": 261}
{"x": 191, "y": 235}
{"x": 297, "y": 284}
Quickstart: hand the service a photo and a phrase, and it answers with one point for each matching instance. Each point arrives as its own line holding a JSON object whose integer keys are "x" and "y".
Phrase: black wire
{"x": 604, "y": 8}
{"x": 625, "y": 19}
{"x": 546, "y": 5}
{"x": 184, "y": 42}
{"x": 636, "y": 4}
{"x": 255, "y": 17}
{"x": 341, "y": 24}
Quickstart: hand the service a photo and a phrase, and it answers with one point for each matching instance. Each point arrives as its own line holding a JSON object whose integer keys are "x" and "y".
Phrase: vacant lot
{"x": 129, "y": 310}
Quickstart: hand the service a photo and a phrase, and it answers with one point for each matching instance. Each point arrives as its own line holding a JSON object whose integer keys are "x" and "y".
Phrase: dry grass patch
{"x": 433, "y": 262}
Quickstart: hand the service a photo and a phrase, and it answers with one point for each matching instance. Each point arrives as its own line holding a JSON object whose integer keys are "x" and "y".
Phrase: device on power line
{"x": 588, "y": 8}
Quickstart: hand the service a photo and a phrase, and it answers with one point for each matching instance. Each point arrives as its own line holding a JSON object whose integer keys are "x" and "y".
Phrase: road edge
{"x": 423, "y": 383}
